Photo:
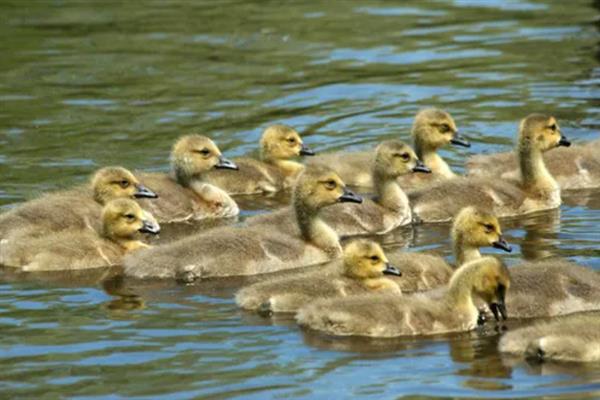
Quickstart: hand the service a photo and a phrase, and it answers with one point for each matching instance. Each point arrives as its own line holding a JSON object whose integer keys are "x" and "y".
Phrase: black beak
{"x": 226, "y": 164}
{"x": 502, "y": 244}
{"x": 350, "y": 197}
{"x": 460, "y": 140}
{"x": 389, "y": 270}
{"x": 142, "y": 191}
{"x": 150, "y": 227}
{"x": 564, "y": 141}
{"x": 499, "y": 308}
{"x": 420, "y": 167}
{"x": 306, "y": 151}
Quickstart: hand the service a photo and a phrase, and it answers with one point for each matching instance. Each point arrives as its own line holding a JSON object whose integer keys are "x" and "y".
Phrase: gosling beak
{"x": 306, "y": 151}
{"x": 420, "y": 167}
{"x": 459, "y": 140}
{"x": 142, "y": 191}
{"x": 389, "y": 270}
{"x": 499, "y": 308}
{"x": 502, "y": 244}
{"x": 564, "y": 141}
{"x": 350, "y": 197}
{"x": 226, "y": 164}
{"x": 150, "y": 227}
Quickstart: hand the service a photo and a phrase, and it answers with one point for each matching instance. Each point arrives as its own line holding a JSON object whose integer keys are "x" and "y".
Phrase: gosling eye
{"x": 130, "y": 217}
{"x": 291, "y": 140}
{"x": 205, "y": 152}
{"x": 124, "y": 184}
{"x": 374, "y": 258}
{"x": 489, "y": 228}
{"x": 444, "y": 128}
{"x": 405, "y": 156}
{"x": 552, "y": 127}
{"x": 330, "y": 184}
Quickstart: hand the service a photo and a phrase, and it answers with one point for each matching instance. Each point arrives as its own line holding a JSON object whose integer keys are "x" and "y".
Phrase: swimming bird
{"x": 274, "y": 171}
{"x": 82, "y": 248}
{"x": 471, "y": 229}
{"x": 423, "y": 313}
{"x": 536, "y": 190}
{"x": 75, "y": 208}
{"x": 432, "y": 129}
{"x": 575, "y": 167}
{"x": 183, "y": 193}
{"x": 363, "y": 269}
{"x": 247, "y": 251}
{"x": 572, "y": 338}
{"x": 389, "y": 209}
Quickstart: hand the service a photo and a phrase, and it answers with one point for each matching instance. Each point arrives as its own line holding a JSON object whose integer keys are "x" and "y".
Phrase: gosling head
{"x": 477, "y": 228}
{"x": 541, "y": 132}
{"x": 491, "y": 283}
{"x": 394, "y": 158}
{"x": 124, "y": 219}
{"x": 193, "y": 155}
{"x": 364, "y": 259}
{"x": 110, "y": 183}
{"x": 434, "y": 128}
{"x": 280, "y": 142}
{"x": 319, "y": 186}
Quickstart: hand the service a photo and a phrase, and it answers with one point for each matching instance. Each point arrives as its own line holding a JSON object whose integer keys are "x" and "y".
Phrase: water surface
{"x": 87, "y": 84}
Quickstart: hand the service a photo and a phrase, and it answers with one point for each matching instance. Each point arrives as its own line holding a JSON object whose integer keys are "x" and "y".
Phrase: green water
{"x": 87, "y": 84}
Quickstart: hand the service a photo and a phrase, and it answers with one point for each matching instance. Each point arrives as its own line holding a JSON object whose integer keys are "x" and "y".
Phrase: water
{"x": 95, "y": 83}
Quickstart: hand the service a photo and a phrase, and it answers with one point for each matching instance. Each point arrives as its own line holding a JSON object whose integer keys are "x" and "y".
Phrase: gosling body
{"x": 432, "y": 129}
{"x": 274, "y": 171}
{"x": 536, "y": 190}
{"x": 576, "y": 167}
{"x": 573, "y": 338}
{"x": 247, "y": 251}
{"x": 423, "y": 313}
{"x": 73, "y": 249}
{"x": 183, "y": 194}
{"x": 363, "y": 270}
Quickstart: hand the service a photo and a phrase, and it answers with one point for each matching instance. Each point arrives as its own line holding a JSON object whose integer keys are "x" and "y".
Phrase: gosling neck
{"x": 286, "y": 166}
{"x": 389, "y": 194}
{"x": 314, "y": 230}
{"x": 463, "y": 252}
{"x": 182, "y": 175}
{"x": 460, "y": 292}
{"x": 126, "y": 244}
{"x": 428, "y": 154}
{"x": 535, "y": 177}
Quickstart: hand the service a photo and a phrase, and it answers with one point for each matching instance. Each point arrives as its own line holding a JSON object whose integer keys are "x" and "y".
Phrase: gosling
{"x": 247, "y": 251}
{"x": 74, "y": 249}
{"x": 275, "y": 171}
{"x": 363, "y": 270}
{"x": 576, "y": 167}
{"x": 573, "y": 338}
{"x": 536, "y": 190}
{"x": 183, "y": 194}
{"x": 388, "y": 210}
{"x": 76, "y": 208}
{"x": 425, "y": 313}
{"x": 432, "y": 129}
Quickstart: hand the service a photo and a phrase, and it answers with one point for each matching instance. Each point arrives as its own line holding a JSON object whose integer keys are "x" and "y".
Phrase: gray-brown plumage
{"x": 389, "y": 208}
{"x": 274, "y": 171}
{"x": 423, "y": 313}
{"x": 536, "y": 190}
{"x": 432, "y": 129}
{"x": 247, "y": 251}
{"x": 183, "y": 194}
{"x": 363, "y": 269}
{"x": 572, "y": 338}
{"x": 76, "y": 208}
{"x": 471, "y": 230}
{"x": 83, "y": 248}
{"x": 576, "y": 167}
{"x": 553, "y": 287}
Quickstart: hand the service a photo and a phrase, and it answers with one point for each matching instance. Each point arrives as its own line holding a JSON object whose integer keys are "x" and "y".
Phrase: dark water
{"x": 86, "y": 84}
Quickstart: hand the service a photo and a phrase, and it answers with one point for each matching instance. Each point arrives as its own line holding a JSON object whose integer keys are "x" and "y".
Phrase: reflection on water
{"x": 88, "y": 84}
